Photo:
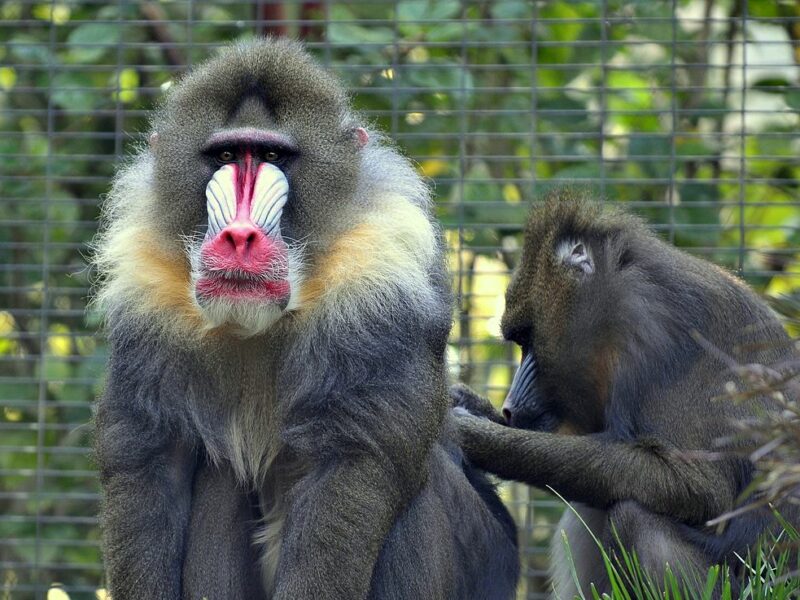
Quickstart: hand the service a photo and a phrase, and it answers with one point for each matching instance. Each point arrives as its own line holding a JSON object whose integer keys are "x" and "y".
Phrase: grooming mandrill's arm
{"x": 599, "y": 472}
{"x": 146, "y": 472}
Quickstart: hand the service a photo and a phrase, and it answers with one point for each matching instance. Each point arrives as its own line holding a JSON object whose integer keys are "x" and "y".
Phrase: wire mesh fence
{"x": 685, "y": 110}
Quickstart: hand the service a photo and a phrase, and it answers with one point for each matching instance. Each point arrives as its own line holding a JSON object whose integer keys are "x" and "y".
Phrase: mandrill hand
{"x": 466, "y": 401}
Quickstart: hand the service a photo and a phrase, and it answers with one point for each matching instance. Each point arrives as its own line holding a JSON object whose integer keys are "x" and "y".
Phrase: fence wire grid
{"x": 684, "y": 110}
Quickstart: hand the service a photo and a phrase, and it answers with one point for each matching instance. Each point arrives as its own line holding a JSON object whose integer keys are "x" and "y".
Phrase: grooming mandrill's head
{"x": 260, "y": 194}
{"x": 567, "y": 307}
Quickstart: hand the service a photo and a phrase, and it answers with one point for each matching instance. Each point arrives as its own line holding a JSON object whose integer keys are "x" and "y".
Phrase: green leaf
{"x": 447, "y": 32}
{"x": 457, "y": 79}
{"x": 512, "y": 9}
{"x": 74, "y": 91}
{"x": 28, "y": 49}
{"x": 649, "y": 147}
{"x": 349, "y": 33}
{"x": 695, "y": 147}
{"x": 18, "y": 391}
{"x": 8, "y": 77}
{"x": 55, "y": 371}
{"x": 89, "y": 42}
{"x": 772, "y": 85}
{"x": 563, "y": 30}
{"x": 763, "y": 9}
{"x": 792, "y": 98}
{"x": 419, "y": 10}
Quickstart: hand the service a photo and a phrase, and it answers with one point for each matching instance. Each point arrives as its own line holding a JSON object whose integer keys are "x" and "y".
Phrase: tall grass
{"x": 770, "y": 572}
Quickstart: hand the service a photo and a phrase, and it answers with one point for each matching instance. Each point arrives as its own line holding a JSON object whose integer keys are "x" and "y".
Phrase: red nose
{"x": 240, "y": 240}
{"x": 241, "y": 246}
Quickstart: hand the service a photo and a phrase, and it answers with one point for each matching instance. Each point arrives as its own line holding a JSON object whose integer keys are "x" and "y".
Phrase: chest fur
{"x": 237, "y": 411}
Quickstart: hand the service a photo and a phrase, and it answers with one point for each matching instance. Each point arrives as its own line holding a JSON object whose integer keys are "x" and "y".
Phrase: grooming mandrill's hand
{"x": 465, "y": 399}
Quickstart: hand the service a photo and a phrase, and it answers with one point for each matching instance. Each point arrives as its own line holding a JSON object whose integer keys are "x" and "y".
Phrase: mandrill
{"x": 275, "y": 420}
{"x": 623, "y": 340}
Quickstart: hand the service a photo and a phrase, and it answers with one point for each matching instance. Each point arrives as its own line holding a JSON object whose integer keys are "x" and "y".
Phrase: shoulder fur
{"x": 390, "y": 250}
{"x": 139, "y": 274}
{"x": 389, "y": 253}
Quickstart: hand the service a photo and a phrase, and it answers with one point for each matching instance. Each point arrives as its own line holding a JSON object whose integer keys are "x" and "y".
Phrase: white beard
{"x": 248, "y": 317}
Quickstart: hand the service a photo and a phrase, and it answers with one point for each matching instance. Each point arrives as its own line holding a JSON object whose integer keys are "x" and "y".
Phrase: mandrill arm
{"x": 365, "y": 435}
{"x": 146, "y": 472}
{"x": 337, "y": 524}
{"x": 342, "y": 511}
{"x": 599, "y": 472}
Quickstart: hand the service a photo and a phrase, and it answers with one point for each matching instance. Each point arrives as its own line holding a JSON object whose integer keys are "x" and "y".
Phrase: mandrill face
{"x": 262, "y": 205}
{"x": 243, "y": 271}
{"x": 258, "y": 171}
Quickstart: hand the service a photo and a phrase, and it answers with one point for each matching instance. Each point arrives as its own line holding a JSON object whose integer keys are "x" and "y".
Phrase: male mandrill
{"x": 274, "y": 423}
{"x": 623, "y": 338}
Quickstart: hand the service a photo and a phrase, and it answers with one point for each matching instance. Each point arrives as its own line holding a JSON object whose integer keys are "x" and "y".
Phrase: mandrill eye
{"x": 225, "y": 156}
{"x": 271, "y": 156}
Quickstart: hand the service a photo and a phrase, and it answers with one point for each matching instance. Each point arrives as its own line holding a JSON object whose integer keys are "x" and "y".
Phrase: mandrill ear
{"x": 361, "y": 136}
{"x": 575, "y": 255}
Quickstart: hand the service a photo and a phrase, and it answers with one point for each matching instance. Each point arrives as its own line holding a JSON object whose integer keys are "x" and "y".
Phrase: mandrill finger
{"x": 465, "y": 398}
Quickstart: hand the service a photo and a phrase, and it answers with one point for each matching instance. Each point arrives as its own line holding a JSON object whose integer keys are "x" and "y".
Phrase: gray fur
{"x": 575, "y": 546}
{"x": 321, "y": 441}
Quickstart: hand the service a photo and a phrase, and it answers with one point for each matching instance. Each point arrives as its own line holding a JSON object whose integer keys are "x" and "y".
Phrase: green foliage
{"x": 498, "y": 102}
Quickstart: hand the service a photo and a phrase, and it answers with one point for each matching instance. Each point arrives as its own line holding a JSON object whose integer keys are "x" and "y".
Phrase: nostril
{"x": 507, "y": 415}
{"x": 227, "y": 237}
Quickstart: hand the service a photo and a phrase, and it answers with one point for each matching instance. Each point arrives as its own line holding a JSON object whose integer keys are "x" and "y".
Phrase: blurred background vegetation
{"x": 685, "y": 110}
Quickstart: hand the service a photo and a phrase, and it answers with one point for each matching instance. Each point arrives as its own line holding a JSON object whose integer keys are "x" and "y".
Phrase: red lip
{"x": 213, "y": 286}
